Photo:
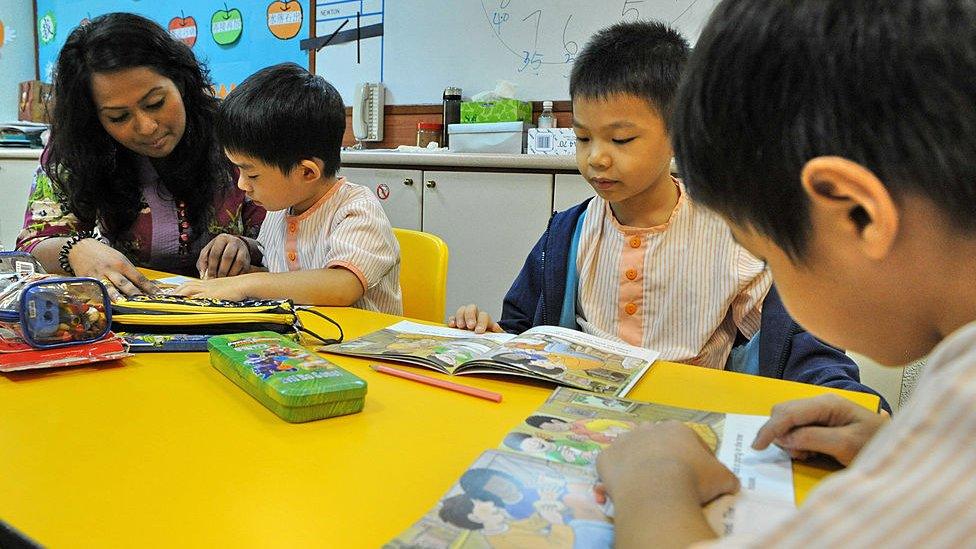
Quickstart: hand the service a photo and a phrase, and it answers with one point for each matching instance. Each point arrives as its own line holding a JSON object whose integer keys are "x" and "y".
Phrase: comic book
{"x": 541, "y": 488}
{"x": 550, "y": 353}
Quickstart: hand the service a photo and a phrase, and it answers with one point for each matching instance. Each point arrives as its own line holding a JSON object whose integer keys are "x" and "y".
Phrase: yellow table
{"x": 162, "y": 450}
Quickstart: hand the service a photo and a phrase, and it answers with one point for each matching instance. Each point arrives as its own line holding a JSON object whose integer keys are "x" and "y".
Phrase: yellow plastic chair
{"x": 423, "y": 274}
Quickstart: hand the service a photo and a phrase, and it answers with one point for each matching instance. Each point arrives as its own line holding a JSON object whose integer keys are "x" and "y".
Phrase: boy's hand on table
{"x": 469, "y": 317}
{"x": 663, "y": 457}
{"x": 230, "y": 289}
{"x": 97, "y": 260}
{"x": 225, "y": 255}
{"x": 826, "y": 424}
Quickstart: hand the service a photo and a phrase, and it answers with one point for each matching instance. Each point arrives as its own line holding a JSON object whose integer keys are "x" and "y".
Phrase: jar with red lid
{"x": 428, "y": 132}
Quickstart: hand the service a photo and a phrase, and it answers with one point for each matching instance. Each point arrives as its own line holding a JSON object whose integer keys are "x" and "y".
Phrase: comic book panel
{"x": 442, "y": 347}
{"x": 507, "y": 500}
{"x": 571, "y": 361}
{"x": 573, "y": 426}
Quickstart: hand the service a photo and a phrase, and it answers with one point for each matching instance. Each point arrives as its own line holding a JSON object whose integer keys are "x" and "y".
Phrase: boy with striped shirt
{"x": 640, "y": 262}
{"x": 326, "y": 241}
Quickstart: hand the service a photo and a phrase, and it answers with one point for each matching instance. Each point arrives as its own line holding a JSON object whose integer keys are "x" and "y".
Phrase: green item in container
{"x": 502, "y": 110}
{"x": 291, "y": 381}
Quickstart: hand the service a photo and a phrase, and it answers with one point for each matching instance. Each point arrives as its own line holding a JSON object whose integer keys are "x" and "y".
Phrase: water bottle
{"x": 546, "y": 120}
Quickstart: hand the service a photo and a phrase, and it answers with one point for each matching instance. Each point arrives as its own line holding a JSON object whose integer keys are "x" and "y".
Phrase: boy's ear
{"x": 850, "y": 198}
{"x": 310, "y": 169}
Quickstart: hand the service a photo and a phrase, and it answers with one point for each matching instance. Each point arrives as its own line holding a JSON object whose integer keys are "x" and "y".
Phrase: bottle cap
{"x": 547, "y": 104}
{"x": 452, "y": 92}
{"x": 434, "y": 126}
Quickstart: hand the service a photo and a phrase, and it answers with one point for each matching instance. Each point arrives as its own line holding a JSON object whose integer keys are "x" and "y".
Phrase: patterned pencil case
{"x": 191, "y": 318}
{"x": 46, "y": 311}
{"x": 291, "y": 381}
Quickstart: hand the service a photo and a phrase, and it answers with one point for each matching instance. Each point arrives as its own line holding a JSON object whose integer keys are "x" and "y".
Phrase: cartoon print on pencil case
{"x": 272, "y": 360}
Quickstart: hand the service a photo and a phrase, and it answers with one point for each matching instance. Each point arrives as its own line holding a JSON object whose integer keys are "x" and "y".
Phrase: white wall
{"x": 16, "y": 52}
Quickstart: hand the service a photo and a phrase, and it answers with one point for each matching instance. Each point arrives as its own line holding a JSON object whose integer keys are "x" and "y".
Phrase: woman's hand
{"x": 225, "y": 255}
{"x": 90, "y": 257}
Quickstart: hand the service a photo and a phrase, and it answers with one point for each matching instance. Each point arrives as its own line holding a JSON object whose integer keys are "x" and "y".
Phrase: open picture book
{"x": 549, "y": 353}
{"x": 541, "y": 489}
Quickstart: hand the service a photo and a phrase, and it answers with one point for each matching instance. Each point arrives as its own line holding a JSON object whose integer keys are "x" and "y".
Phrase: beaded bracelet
{"x": 66, "y": 249}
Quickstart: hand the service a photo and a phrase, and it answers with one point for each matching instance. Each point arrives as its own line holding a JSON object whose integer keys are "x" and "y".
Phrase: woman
{"x": 132, "y": 175}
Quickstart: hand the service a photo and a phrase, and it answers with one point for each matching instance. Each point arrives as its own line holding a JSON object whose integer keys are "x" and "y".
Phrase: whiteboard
{"x": 427, "y": 45}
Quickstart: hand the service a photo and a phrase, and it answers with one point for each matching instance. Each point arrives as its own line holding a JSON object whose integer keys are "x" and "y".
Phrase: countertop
{"x": 18, "y": 154}
{"x": 393, "y": 159}
{"x": 459, "y": 160}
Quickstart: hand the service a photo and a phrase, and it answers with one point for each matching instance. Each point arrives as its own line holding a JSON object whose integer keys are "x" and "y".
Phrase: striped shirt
{"x": 346, "y": 228}
{"x": 914, "y": 484}
{"x": 683, "y": 288}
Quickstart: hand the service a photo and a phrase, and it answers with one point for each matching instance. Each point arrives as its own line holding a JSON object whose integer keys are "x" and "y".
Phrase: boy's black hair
{"x": 643, "y": 58}
{"x": 772, "y": 85}
{"x": 281, "y": 115}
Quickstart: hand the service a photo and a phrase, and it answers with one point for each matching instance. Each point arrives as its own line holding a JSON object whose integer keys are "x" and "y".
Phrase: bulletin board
{"x": 234, "y": 38}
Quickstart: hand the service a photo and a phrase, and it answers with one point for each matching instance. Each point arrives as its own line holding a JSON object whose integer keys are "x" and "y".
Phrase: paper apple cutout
{"x": 184, "y": 29}
{"x": 226, "y": 26}
{"x": 47, "y": 28}
{"x": 285, "y": 18}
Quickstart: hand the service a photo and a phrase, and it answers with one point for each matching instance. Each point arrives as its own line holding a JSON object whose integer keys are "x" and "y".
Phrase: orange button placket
{"x": 630, "y": 325}
{"x": 291, "y": 246}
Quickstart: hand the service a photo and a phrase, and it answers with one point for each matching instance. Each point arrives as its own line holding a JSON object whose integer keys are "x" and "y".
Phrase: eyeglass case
{"x": 291, "y": 381}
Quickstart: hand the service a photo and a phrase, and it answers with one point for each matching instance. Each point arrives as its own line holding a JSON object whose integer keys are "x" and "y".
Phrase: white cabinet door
{"x": 400, "y": 192}
{"x": 490, "y": 222}
{"x": 16, "y": 176}
{"x": 570, "y": 190}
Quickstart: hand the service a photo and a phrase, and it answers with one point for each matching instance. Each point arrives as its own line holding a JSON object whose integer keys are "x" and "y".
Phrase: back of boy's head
{"x": 281, "y": 115}
{"x": 772, "y": 85}
{"x": 643, "y": 59}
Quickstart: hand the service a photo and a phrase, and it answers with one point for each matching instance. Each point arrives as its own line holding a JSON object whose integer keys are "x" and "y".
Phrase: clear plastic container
{"x": 546, "y": 119}
{"x": 429, "y": 132}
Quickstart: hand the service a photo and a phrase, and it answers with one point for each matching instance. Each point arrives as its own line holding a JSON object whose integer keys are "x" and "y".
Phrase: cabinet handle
{"x": 408, "y": 182}
{"x": 431, "y": 184}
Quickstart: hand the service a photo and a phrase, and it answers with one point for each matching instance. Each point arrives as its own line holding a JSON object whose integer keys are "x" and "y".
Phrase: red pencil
{"x": 450, "y": 386}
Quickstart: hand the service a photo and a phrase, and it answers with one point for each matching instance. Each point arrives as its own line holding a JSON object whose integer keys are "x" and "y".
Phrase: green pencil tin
{"x": 294, "y": 383}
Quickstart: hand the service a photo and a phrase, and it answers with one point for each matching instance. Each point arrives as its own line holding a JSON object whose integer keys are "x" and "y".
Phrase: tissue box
{"x": 286, "y": 378}
{"x": 552, "y": 141}
{"x": 499, "y": 137}
{"x": 502, "y": 110}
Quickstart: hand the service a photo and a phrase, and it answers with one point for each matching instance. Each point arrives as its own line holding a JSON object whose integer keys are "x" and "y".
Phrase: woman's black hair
{"x": 99, "y": 177}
